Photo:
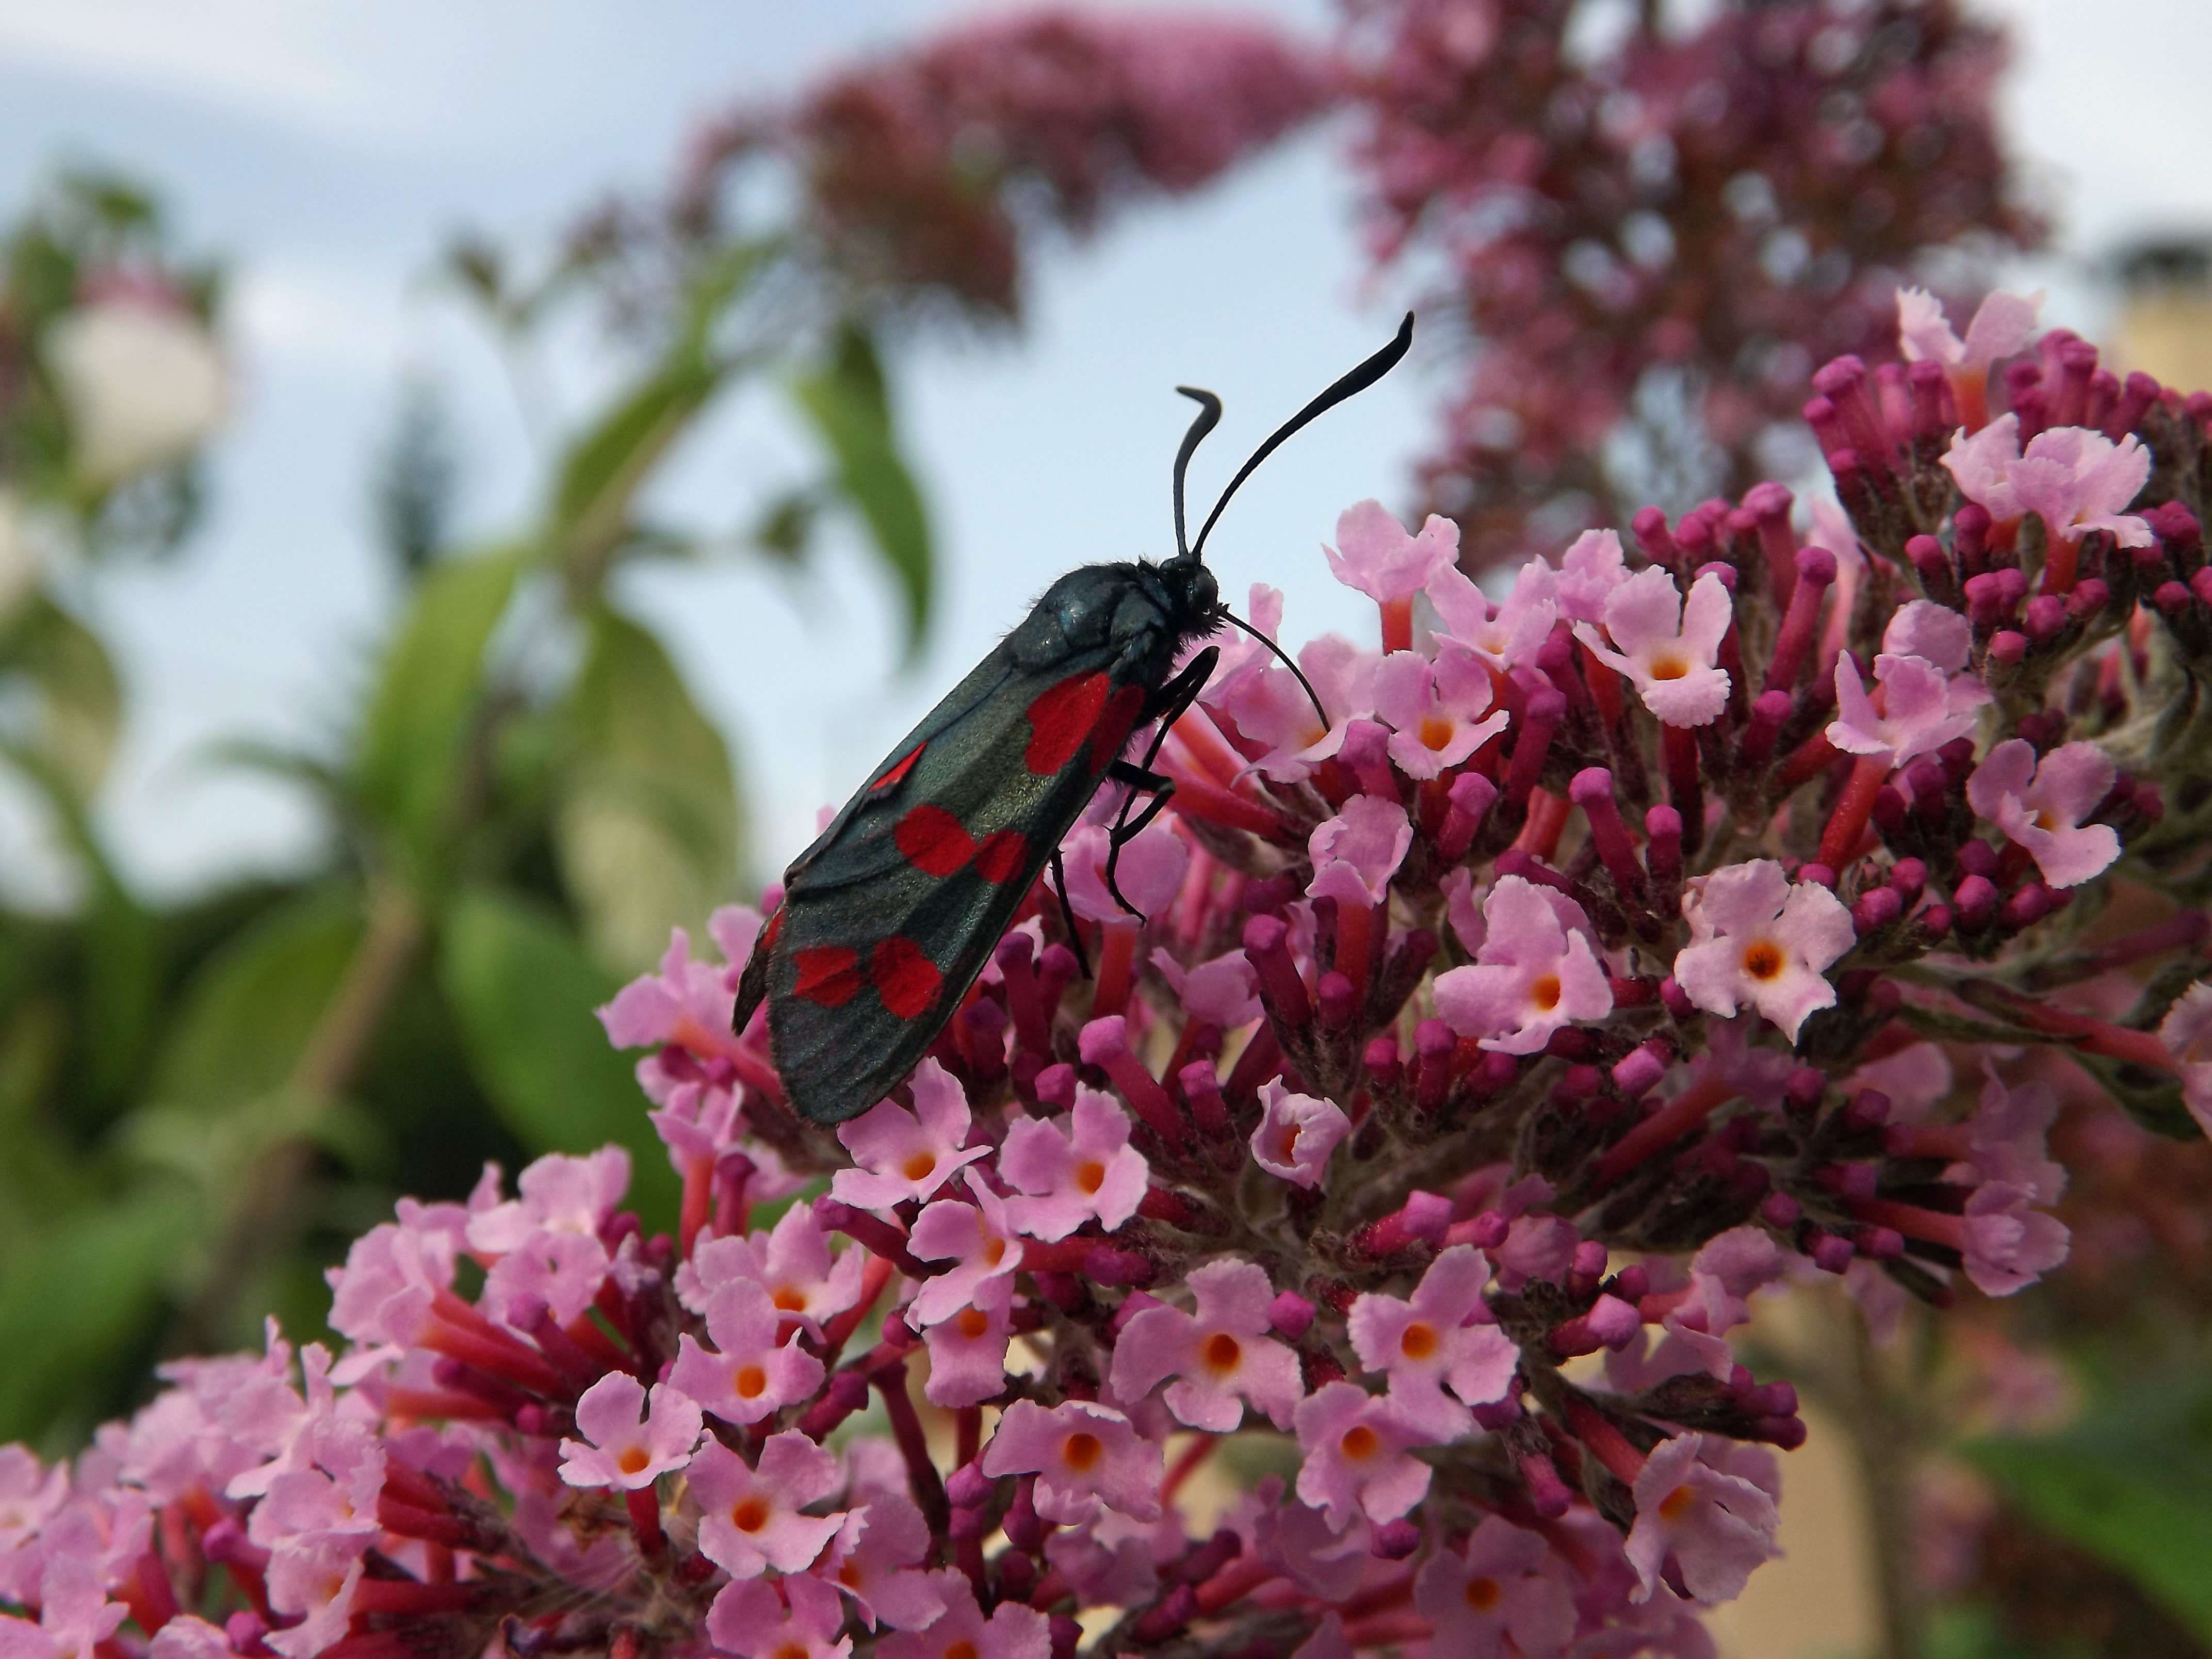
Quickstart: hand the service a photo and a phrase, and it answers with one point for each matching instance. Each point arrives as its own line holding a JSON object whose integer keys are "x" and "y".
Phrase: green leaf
{"x": 850, "y": 409}
{"x": 80, "y": 698}
{"x": 605, "y": 466}
{"x": 647, "y": 823}
{"x": 414, "y": 742}
{"x": 2132, "y": 1485}
{"x": 74, "y": 1302}
{"x": 523, "y": 989}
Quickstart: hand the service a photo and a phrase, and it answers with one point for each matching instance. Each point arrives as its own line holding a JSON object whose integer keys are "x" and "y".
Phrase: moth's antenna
{"x": 1208, "y": 417}
{"x": 1312, "y": 696}
{"x": 1351, "y": 384}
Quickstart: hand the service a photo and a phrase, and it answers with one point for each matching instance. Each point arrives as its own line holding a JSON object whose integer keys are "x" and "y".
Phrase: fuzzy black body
{"x": 890, "y": 915}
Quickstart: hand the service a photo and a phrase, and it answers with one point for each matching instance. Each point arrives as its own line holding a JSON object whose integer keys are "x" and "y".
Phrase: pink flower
{"x": 749, "y": 1373}
{"x": 1222, "y": 1353}
{"x": 1150, "y": 873}
{"x": 1296, "y": 1134}
{"x": 1982, "y": 464}
{"x": 1073, "y": 1169}
{"x": 2186, "y": 1031}
{"x": 1380, "y": 559}
{"x": 559, "y": 1194}
{"x": 1715, "y": 1526}
{"x": 1356, "y": 1457}
{"x": 1498, "y": 1601}
{"x": 1439, "y": 713}
{"x": 1532, "y": 974}
{"x": 793, "y": 1263}
{"x": 967, "y": 1348}
{"x": 187, "y": 1638}
{"x": 904, "y": 1154}
{"x": 1433, "y": 1341}
{"x": 1013, "y": 1631}
{"x": 1757, "y": 938}
{"x": 750, "y": 1520}
{"x": 688, "y": 1003}
{"x": 1589, "y": 570}
{"x": 980, "y": 1238}
{"x": 1923, "y": 708}
{"x": 631, "y": 1447}
{"x": 751, "y": 1620}
{"x": 1355, "y": 852}
{"x": 1933, "y": 632}
{"x": 2001, "y": 326}
{"x": 1224, "y": 992}
{"x": 872, "y": 1560}
{"x": 75, "y": 1615}
{"x": 1668, "y": 647}
{"x": 1270, "y": 707}
{"x": 316, "y": 1583}
{"x": 393, "y": 1274}
{"x": 2011, "y": 1243}
{"x": 1082, "y": 1454}
{"x": 1724, "y": 1272}
{"x": 1506, "y": 635}
{"x": 2041, "y": 805}
{"x": 2078, "y": 480}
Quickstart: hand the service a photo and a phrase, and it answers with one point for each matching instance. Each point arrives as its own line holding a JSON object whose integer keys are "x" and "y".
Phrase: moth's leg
{"x": 1067, "y": 913}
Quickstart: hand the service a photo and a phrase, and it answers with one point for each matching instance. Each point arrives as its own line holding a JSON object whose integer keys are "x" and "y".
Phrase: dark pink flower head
{"x": 1356, "y": 1461}
{"x": 1221, "y": 1353}
{"x": 748, "y": 1373}
{"x": 1355, "y": 852}
{"x": 1150, "y": 872}
{"x": 1757, "y": 938}
{"x": 630, "y": 1446}
{"x": 1296, "y": 1134}
{"x": 1439, "y": 713}
{"x": 979, "y": 1238}
{"x": 1506, "y": 1598}
{"x": 873, "y": 1559}
{"x": 904, "y": 1154}
{"x": 1073, "y": 1169}
{"x": 967, "y": 1348}
{"x": 1376, "y": 556}
{"x": 793, "y": 1618}
{"x": 793, "y": 1263}
{"x": 750, "y": 1520}
{"x": 1434, "y": 1340}
{"x": 1504, "y": 635}
{"x": 1082, "y": 1454}
{"x": 1013, "y": 1630}
{"x": 1666, "y": 646}
{"x": 2040, "y": 804}
{"x": 1534, "y": 971}
{"x": 1714, "y": 1526}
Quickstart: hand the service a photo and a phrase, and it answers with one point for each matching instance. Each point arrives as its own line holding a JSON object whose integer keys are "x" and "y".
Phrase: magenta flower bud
{"x": 2030, "y": 905}
{"x": 1768, "y": 504}
{"x": 1485, "y": 1231}
{"x": 1930, "y": 561}
{"x": 1023, "y": 1530}
{"x": 1587, "y": 1267}
{"x": 2171, "y": 599}
{"x": 1291, "y": 1316}
{"x": 1202, "y": 1090}
{"x": 1879, "y": 1243}
{"x": 1828, "y": 431}
{"x": 1173, "y": 1611}
{"x": 1056, "y": 970}
{"x": 1591, "y": 789}
{"x": 1842, "y": 382}
{"x": 1984, "y": 600}
{"x": 1819, "y": 874}
{"x": 1909, "y": 879}
{"x": 1547, "y": 1493}
{"x": 1925, "y": 379}
{"x": 2200, "y": 584}
{"x": 1869, "y": 1108}
{"x": 1787, "y": 1433}
{"x": 846, "y": 1393}
{"x": 1937, "y": 920}
{"x": 1434, "y": 1043}
{"x": 2046, "y": 615}
{"x": 1676, "y": 999}
{"x": 1639, "y": 1070}
{"x": 1816, "y": 573}
{"x": 1532, "y": 743}
{"x": 1780, "y": 1210}
{"x": 1467, "y": 801}
{"x": 1107, "y": 1265}
{"x": 1395, "y": 1541}
{"x": 1977, "y": 902}
{"x": 1830, "y": 1253}
{"x": 2137, "y": 393}
{"x": 1017, "y": 1575}
{"x": 1266, "y": 948}
{"x": 1335, "y": 995}
{"x": 968, "y": 1488}
{"x": 1978, "y": 857}
{"x": 1649, "y": 528}
{"x": 1662, "y": 850}
{"x": 1877, "y": 910}
{"x": 1381, "y": 1061}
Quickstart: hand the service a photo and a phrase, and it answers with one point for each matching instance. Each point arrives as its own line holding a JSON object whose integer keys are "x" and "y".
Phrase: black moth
{"x": 890, "y": 915}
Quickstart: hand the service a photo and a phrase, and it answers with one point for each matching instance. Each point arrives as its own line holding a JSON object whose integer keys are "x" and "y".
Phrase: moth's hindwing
{"x": 888, "y": 918}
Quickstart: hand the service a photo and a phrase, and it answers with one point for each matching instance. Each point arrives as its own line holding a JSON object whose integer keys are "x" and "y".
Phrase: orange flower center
{"x": 1223, "y": 1351}
{"x": 751, "y": 1381}
{"x": 918, "y": 1166}
{"x": 1289, "y": 1149}
{"x": 1762, "y": 959}
{"x": 961, "y": 1651}
{"x": 972, "y": 1321}
{"x": 789, "y": 1299}
{"x": 749, "y": 1515}
{"x": 1436, "y": 733}
{"x": 1482, "y": 1594}
{"x": 1090, "y": 1174}
{"x": 632, "y": 1459}
{"x": 791, "y": 1650}
{"x": 1545, "y": 993}
{"x": 1419, "y": 1341}
{"x": 851, "y": 1577}
{"x": 1668, "y": 668}
{"x": 1360, "y": 1442}
{"x": 1676, "y": 1504}
{"x": 995, "y": 1251}
{"x": 1080, "y": 1450}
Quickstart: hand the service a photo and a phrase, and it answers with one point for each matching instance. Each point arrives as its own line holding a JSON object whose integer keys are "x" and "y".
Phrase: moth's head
{"x": 1196, "y": 594}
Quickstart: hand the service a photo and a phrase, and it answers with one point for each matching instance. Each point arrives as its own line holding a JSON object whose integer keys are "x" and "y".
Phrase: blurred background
{"x": 475, "y": 480}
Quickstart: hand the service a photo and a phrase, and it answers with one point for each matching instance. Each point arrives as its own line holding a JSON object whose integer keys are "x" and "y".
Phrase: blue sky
{"x": 327, "y": 148}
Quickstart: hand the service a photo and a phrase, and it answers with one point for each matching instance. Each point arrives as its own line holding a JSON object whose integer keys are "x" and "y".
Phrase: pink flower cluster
{"x": 1602, "y": 955}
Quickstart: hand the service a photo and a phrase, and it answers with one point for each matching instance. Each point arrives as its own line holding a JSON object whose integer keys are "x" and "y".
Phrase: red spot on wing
{"x": 1062, "y": 720}
{"x": 931, "y": 839}
{"x": 1001, "y": 856}
{"x": 898, "y": 770}
{"x": 828, "y": 975}
{"x": 907, "y": 980}
{"x": 1115, "y": 722}
{"x": 766, "y": 942}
